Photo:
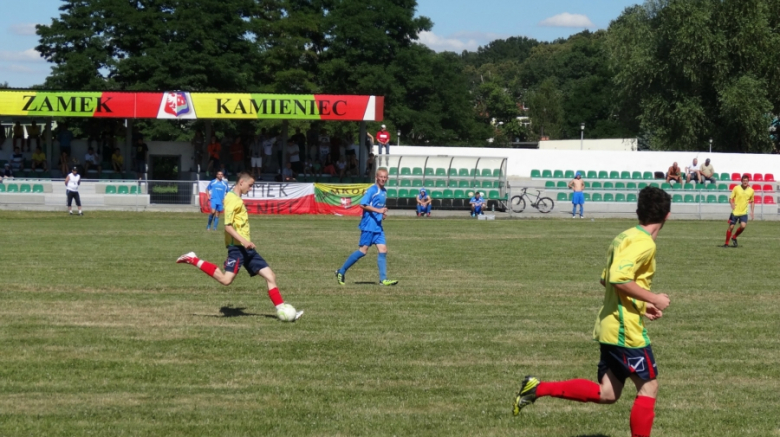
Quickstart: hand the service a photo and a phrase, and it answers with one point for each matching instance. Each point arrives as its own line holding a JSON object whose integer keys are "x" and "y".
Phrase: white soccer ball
{"x": 286, "y": 312}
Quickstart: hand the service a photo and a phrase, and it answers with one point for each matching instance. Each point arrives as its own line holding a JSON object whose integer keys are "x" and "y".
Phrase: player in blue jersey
{"x": 374, "y": 211}
{"x": 216, "y": 190}
{"x": 423, "y": 204}
{"x": 477, "y": 203}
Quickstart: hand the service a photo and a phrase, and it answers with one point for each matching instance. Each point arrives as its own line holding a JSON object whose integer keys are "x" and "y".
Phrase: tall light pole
{"x": 710, "y": 145}
{"x": 582, "y": 134}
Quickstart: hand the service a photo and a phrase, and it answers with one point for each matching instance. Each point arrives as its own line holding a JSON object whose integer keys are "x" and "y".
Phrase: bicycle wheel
{"x": 545, "y": 205}
{"x": 517, "y": 204}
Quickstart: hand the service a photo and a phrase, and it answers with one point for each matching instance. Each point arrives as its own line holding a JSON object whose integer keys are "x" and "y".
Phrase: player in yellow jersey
{"x": 241, "y": 249}
{"x": 625, "y": 346}
{"x": 741, "y": 196}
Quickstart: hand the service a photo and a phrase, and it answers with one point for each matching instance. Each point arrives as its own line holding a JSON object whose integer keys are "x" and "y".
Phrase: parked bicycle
{"x": 543, "y": 204}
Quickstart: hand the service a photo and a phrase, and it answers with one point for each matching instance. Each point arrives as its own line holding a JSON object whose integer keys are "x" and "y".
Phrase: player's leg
{"x": 77, "y": 198}
{"x": 428, "y": 209}
{"x": 218, "y": 209}
{"x": 732, "y": 221}
{"x": 473, "y": 207}
{"x": 231, "y": 267}
{"x": 212, "y": 212}
{"x": 643, "y": 410}
{"x": 419, "y": 209}
{"x": 582, "y": 207}
{"x": 70, "y": 202}
{"x": 255, "y": 263}
{"x": 381, "y": 259}
{"x": 740, "y": 229}
{"x": 363, "y": 245}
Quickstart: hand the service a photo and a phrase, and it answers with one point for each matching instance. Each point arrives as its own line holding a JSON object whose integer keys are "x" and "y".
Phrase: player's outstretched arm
{"x": 631, "y": 289}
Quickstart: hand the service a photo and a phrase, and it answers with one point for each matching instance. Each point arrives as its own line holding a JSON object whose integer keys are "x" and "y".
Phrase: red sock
{"x": 276, "y": 298}
{"x": 728, "y": 236}
{"x": 207, "y": 267}
{"x": 574, "y": 389}
{"x": 642, "y": 415}
{"x": 739, "y": 231}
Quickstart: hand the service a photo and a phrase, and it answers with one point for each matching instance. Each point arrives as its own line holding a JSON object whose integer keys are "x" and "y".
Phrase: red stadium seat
{"x": 757, "y": 200}
{"x": 758, "y": 177}
{"x": 749, "y": 176}
{"x": 736, "y": 176}
{"x": 769, "y": 200}
{"x": 768, "y": 187}
{"x": 769, "y": 177}
{"x": 731, "y": 187}
{"x": 757, "y": 187}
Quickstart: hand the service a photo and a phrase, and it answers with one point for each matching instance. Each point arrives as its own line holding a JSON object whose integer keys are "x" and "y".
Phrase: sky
{"x": 458, "y": 25}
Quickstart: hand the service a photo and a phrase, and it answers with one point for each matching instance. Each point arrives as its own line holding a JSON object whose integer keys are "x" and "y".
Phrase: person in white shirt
{"x": 91, "y": 160}
{"x": 72, "y": 182}
{"x": 293, "y": 156}
{"x": 693, "y": 171}
{"x": 256, "y": 148}
{"x": 268, "y": 151}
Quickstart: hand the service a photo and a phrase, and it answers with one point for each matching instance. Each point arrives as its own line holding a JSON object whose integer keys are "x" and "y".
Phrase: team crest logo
{"x": 636, "y": 364}
{"x": 176, "y": 104}
{"x": 346, "y": 202}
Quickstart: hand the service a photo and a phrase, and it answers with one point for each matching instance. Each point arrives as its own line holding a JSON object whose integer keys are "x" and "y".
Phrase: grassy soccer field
{"x": 104, "y": 335}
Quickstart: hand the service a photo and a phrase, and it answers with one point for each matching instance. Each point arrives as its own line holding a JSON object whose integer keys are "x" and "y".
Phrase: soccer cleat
{"x": 339, "y": 278}
{"x": 734, "y": 242}
{"x": 81, "y": 213}
{"x": 526, "y": 395}
{"x": 187, "y": 258}
{"x": 298, "y": 315}
{"x": 388, "y": 282}
{"x": 70, "y": 212}
{"x": 582, "y": 216}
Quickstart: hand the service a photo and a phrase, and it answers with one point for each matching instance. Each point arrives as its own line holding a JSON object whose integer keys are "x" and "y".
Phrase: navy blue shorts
{"x": 249, "y": 258}
{"x": 624, "y": 362}
{"x": 733, "y": 219}
{"x": 369, "y": 238}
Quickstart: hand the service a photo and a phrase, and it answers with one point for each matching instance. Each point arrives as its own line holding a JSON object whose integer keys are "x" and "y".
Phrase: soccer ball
{"x": 286, "y": 312}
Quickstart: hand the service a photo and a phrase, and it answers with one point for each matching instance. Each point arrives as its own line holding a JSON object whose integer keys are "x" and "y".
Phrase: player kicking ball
{"x": 371, "y": 230}
{"x": 241, "y": 250}
{"x": 625, "y": 346}
{"x": 741, "y": 195}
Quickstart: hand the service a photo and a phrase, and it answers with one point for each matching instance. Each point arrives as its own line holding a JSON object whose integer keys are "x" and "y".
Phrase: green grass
{"x": 103, "y": 334}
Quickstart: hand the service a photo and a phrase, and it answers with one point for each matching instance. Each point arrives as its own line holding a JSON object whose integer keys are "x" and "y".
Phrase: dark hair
{"x": 745, "y": 176}
{"x": 653, "y": 205}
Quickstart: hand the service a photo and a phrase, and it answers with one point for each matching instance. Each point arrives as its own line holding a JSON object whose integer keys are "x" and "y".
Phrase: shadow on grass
{"x": 236, "y": 312}
{"x": 591, "y": 435}
{"x": 366, "y": 283}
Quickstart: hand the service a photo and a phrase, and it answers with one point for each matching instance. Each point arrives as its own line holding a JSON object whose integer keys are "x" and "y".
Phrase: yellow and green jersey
{"x": 237, "y": 217}
{"x": 741, "y": 196}
{"x": 630, "y": 258}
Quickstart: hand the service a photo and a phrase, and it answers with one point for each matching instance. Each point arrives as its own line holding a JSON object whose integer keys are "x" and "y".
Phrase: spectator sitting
{"x": 307, "y": 169}
{"x": 316, "y": 168}
{"x": 477, "y": 203}
{"x": 118, "y": 161}
{"x": 287, "y": 174}
{"x": 39, "y": 160}
{"x": 341, "y": 168}
{"x": 7, "y": 172}
{"x": 707, "y": 170}
{"x": 328, "y": 167}
{"x": 33, "y": 133}
{"x": 18, "y": 134}
{"x": 423, "y": 204}
{"x": 693, "y": 172}
{"x": 673, "y": 174}
{"x": 91, "y": 161}
{"x": 17, "y": 160}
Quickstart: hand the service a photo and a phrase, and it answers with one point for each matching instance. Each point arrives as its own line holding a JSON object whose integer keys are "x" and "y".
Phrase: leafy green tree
{"x": 546, "y": 110}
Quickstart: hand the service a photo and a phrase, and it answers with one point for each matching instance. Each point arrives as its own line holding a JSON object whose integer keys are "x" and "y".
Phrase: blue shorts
{"x": 217, "y": 207}
{"x": 368, "y": 238}
{"x": 734, "y": 219}
{"x": 624, "y": 362}
{"x": 240, "y": 256}
{"x": 578, "y": 198}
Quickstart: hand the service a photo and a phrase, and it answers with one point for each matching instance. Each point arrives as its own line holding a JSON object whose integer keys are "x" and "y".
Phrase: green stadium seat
{"x": 725, "y": 177}
{"x": 715, "y": 176}
{"x": 496, "y": 184}
{"x": 12, "y": 188}
{"x": 558, "y": 174}
{"x": 134, "y": 189}
{"x": 123, "y": 189}
{"x": 453, "y": 172}
{"x": 625, "y": 175}
{"x": 549, "y": 184}
{"x": 496, "y": 172}
{"x": 609, "y": 197}
{"x": 689, "y": 186}
{"x": 597, "y": 197}
{"x": 393, "y": 171}
{"x": 688, "y": 198}
{"x": 636, "y": 175}
{"x": 406, "y": 183}
{"x": 447, "y": 194}
{"x": 473, "y": 172}
{"x": 487, "y": 184}
{"x": 392, "y": 183}
{"x": 547, "y": 173}
{"x": 428, "y": 171}
{"x": 37, "y": 188}
{"x": 25, "y": 188}
{"x": 417, "y": 183}
{"x": 561, "y": 184}
{"x": 463, "y": 172}
{"x": 437, "y": 195}
{"x": 562, "y": 197}
{"x": 647, "y": 175}
{"x": 631, "y": 185}
{"x": 441, "y": 183}
{"x": 620, "y": 185}
{"x": 723, "y": 198}
{"x": 476, "y": 184}
{"x": 603, "y": 174}
{"x": 654, "y": 184}
{"x": 665, "y": 186}
{"x": 441, "y": 172}
{"x": 403, "y": 193}
{"x": 587, "y": 184}
{"x": 631, "y": 197}
{"x": 620, "y": 197}
{"x": 494, "y": 195}
{"x": 569, "y": 174}
{"x": 587, "y": 196}
{"x": 723, "y": 187}
{"x": 711, "y": 198}
{"x": 677, "y": 198}
{"x": 614, "y": 174}
{"x": 609, "y": 186}
{"x": 429, "y": 183}
{"x": 711, "y": 187}
{"x": 596, "y": 185}
{"x": 463, "y": 183}
{"x": 392, "y": 193}
{"x": 592, "y": 174}
{"x": 406, "y": 171}
{"x": 486, "y": 173}
{"x": 459, "y": 194}
{"x": 536, "y": 173}
{"x": 642, "y": 185}
{"x": 2, "y": 188}
{"x": 417, "y": 171}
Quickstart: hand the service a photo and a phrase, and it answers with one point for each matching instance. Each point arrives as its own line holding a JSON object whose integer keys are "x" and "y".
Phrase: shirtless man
{"x": 578, "y": 198}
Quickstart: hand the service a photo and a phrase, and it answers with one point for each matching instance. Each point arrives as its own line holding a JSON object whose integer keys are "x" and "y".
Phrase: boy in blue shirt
{"x": 423, "y": 204}
{"x": 371, "y": 231}
{"x": 216, "y": 190}
{"x": 477, "y": 203}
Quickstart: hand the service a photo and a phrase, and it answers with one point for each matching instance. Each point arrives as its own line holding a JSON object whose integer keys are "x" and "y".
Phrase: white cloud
{"x": 459, "y": 41}
{"x": 568, "y": 20}
{"x": 24, "y": 29}
{"x": 29, "y": 55}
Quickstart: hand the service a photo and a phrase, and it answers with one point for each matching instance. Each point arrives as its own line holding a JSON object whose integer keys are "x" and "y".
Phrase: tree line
{"x": 673, "y": 73}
